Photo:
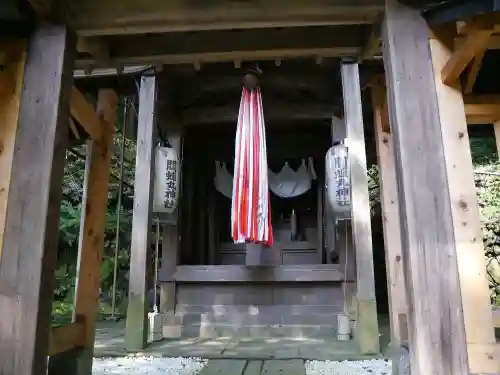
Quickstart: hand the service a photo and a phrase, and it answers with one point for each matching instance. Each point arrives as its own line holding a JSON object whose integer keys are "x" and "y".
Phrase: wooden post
{"x": 137, "y": 324}
{"x": 477, "y": 311}
{"x": 32, "y": 223}
{"x": 170, "y": 244}
{"x": 367, "y": 332}
{"x": 435, "y": 317}
{"x": 390, "y": 212}
{"x": 496, "y": 128}
{"x": 9, "y": 115}
{"x": 91, "y": 242}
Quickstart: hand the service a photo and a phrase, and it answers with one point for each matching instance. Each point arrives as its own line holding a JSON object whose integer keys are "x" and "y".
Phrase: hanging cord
{"x": 346, "y": 262}
{"x": 119, "y": 209}
{"x": 157, "y": 248}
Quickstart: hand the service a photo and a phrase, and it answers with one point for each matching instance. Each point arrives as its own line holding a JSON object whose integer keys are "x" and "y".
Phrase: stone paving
{"x": 110, "y": 343}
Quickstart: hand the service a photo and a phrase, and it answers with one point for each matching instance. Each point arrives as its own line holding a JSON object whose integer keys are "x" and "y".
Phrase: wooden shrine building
{"x": 400, "y": 80}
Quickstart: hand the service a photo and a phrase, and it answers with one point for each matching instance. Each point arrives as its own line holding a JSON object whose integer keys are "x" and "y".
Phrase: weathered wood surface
{"x": 367, "y": 326}
{"x": 107, "y": 18}
{"x": 32, "y": 222}
{"x": 85, "y": 114}
{"x": 458, "y": 61}
{"x": 170, "y": 253}
{"x": 9, "y": 114}
{"x": 234, "y": 273}
{"x": 136, "y": 327}
{"x": 435, "y": 319}
{"x": 93, "y": 222}
{"x": 390, "y": 211}
{"x": 496, "y": 128}
{"x": 466, "y": 221}
{"x": 65, "y": 338}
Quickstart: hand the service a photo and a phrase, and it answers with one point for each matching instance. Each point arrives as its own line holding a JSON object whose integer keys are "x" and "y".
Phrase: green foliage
{"x": 65, "y": 273}
{"x": 485, "y": 159}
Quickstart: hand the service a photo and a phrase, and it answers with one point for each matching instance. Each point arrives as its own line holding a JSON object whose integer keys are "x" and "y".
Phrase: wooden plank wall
{"x": 30, "y": 246}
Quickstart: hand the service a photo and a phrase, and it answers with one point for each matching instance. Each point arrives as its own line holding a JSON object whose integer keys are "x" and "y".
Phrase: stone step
{"x": 261, "y": 309}
{"x": 208, "y": 330}
{"x": 237, "y": 319}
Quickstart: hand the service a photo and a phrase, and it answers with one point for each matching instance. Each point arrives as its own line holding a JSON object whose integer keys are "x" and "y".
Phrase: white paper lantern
{"x": 167, "y": 175}
{"x": 338, "y": 179}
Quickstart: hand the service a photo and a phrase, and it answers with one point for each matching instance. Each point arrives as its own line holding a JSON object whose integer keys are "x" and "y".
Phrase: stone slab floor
{"x": 110, "y": 343}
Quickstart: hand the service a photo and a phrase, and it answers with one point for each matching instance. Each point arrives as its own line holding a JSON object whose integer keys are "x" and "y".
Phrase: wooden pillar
{"x": 477, "y": 310}
{"x": 496, "y": 128}
{"x": 435, "y": 317}
{"x": 170, "y": 253}
{"x": 367, "y": 332}
{"x": 137, "y": 324}
{"x": 10, "y": 99}
{"x": 390, "y": 212}
{"x": 92, "y": 230}
{"x": 32, "y": 222}
{"x": 170, "y": 237}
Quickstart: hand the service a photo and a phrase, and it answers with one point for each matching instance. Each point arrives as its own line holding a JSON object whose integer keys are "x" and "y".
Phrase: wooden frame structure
{"x": 431, "y": 220}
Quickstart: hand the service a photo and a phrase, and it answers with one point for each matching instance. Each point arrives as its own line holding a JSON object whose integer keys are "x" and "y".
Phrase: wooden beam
{"x": 227, "y": 56}
{"x": 32, "y": 223}
{"x": 492, "y": 44}
{"x": 93, "y": 223}
{"x": 93, "y": 46}
{"x": 474, "y": 71}
{"x": 65, "y": 338}
{"x": 476, "y": 41}
{"x": 140, "y": 248}
{"x": 367, "y": 332}
{"x": 466, "y": 222}
{"x": 9, "y": 115}
{"x": 435, "y": 318}
{"x": 390, "y": 213}
{"x": 85, "y": 114}
{"x": 272, "y": 112}
{"x": 152, "y": 16}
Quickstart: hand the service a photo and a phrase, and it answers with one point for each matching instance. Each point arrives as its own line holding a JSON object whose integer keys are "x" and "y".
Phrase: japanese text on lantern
{"x": 342, "y": 186}
{"x": 171, "y": 179}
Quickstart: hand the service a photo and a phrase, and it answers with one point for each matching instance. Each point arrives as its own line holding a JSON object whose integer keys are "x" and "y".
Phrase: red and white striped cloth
{"x": 251, "y": 206}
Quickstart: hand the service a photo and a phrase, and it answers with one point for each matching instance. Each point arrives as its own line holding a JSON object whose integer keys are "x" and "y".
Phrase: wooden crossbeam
{"x": 482, "y": 109}
{"x": 476, "y": 41}
{"x": 474, "y": 71}
{"x": 85, "y": 114}
{"x": 65, "y": 338}
{"x": 93, "y": 46}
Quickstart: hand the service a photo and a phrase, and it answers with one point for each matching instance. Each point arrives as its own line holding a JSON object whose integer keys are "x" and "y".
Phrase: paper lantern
{"x": 167, "y": 175}
{"x": 338, "y": 179}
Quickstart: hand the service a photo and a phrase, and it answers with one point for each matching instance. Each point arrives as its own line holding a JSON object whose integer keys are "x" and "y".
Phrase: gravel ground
{"x": 371, "y": 367}
{"x": 192, "y": 366}
{"x": 147, "y": 365}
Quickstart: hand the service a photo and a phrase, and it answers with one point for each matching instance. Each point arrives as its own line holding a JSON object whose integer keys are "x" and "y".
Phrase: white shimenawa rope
{"x": 157, "y": 247}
